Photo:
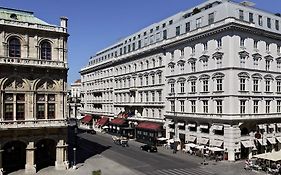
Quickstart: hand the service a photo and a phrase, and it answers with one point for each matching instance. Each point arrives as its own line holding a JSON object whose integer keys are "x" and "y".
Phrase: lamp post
{"x": 75, "y": 132}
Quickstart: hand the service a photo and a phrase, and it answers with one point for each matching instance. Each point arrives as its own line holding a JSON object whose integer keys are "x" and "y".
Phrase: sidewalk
{"x": 98, "y": 162}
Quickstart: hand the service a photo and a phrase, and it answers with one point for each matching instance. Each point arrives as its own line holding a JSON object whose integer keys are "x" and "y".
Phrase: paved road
{"x": 135, "y": 158}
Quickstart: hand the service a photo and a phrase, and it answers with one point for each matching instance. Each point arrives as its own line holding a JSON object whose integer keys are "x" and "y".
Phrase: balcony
{"x": 32, "y": 62}
{"x": 152, "y": 104}
{"x": 20, "y": 124}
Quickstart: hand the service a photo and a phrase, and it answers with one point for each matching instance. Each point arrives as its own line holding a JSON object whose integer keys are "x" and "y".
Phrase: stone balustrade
{"x": 33, "y": 123}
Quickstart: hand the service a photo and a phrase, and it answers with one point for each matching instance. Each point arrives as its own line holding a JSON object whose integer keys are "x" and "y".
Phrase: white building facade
{"x": 219, "y": 77}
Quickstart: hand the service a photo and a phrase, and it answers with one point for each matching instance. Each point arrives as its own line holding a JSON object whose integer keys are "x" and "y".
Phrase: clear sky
{"x": 96, "y": 24}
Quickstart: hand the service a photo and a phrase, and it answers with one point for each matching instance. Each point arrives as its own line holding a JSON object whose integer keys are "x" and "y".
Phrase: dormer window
{"x": 14, "y": 16}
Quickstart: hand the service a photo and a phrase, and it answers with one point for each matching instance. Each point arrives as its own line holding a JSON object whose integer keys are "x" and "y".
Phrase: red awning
{"x": 87, "y": 119}
{"x": 149, "y": 126}
{"x": 103, "y": 121}
{"x": 118, "y": 121}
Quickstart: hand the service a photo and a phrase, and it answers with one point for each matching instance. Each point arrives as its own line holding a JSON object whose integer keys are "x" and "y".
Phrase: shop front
{"x": 117, "y": 125}
{"x": 149, "y": 132}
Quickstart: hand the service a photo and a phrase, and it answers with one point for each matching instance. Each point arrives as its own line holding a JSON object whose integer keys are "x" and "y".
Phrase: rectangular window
{"x": 193, "y": 67}
{"x": 187, "y": 27}
{"x": 141, "y": 81}
{"x": 219, "y": 106}
{"x": 139, "y": 44}
{"x": 141, "y": 96}
{"x": 153, "y": 96}
{"x": 205, "y": 85}
{"x": 267, "y": 64}
{"x": 267, "y": 106}
{"x": 146, "y": 81}
{"x": 8, "y": 114}
{"x": 173, "y": 106}
{"x": 268, "y": 22}
{"x": 193, "y": 86}
{"x": 260, "y": 20}
{"x": 256, "y": 106}
{"x": 147, "y": 97}
{"x": 40, "y": 111}
{"x": 255, "y": 44}
{"x": 255, "y": 85}
{"x": 242, "y": 42}
{"x": 170, "y": 22}
{"x": 178, "y": 30}
{"x": 198, "y": 22}
{"x": 160, "y": 96}
{"x": 182, "y": 87}
{"x": 211, "y": 18}
{"x": 164, "y": 34}
{"x": 153, "y": 79}
{"x": 205, "y": 106}
{"x": 267, "y": 85}
{"x": 20, "y": 112}
{"x": 172, "y": 85}
{"x": 219, "y": 43}
{"x": 279, "y": 106}
{"x": 160, "y": 113}
{"x": 182, "y": 105}
{"x": 251, "y": 18}
{"x": 242, "y": 84}
{"x": 241, "y": 14}
{"x": 51, "y": 111}
{"x": 219, "y": 84}
{"x": 134, "y": 46}
{"x": 242, "y": 106}
{"x": 276, "y": 24}
{"x": 160, "y": 78}
{"x": 193, "y": 106}
{"x": 278, "y": 86}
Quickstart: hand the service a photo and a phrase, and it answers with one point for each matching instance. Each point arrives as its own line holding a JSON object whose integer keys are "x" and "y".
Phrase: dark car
{"x": 149, "y": 148}
{"x": 91, "y": 131}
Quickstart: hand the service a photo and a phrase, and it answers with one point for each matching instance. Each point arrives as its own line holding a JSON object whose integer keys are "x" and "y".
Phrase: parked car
{"x": 149, "y": 148}
{"x": 91, "y": 131}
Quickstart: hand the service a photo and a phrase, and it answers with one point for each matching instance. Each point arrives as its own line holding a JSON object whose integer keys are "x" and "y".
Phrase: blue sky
{"x": 96, "y": 24}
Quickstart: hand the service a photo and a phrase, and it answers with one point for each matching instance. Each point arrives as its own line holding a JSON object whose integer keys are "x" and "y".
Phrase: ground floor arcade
{"x": 33, "y": 149}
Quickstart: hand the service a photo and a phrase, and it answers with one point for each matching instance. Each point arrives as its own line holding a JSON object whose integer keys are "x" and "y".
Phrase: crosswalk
{"x": 182, "y": 171}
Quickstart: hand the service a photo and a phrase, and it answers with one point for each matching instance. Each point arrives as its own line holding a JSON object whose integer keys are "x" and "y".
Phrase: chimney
{"x": 63, "y": 22}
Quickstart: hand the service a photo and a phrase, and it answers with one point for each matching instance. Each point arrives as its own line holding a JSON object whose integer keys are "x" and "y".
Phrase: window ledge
{"x": 192, "y": 93}
{"x": 269, "y": 92}
{"x": 216, "y": 92}
{"x": 243, "y": 91}
{"x": 204, "y": 92}
{"x": 258, "y": 92}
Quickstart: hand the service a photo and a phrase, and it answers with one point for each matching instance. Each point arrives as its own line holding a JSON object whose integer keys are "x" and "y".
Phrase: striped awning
{"x": 272, "y": 141}
{"x": 217, "y": 143}
{"x": 248, "y": 143}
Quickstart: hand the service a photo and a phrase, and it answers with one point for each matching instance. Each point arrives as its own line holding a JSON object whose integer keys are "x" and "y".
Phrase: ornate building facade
{"x": 211, "y": 74}
{"x": 33, "y": 77}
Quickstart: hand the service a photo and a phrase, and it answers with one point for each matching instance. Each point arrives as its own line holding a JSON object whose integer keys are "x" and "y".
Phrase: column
{"x": 232, "y": 137}
{"x": 30, "y": 166}
{"x": 60, "y": 156}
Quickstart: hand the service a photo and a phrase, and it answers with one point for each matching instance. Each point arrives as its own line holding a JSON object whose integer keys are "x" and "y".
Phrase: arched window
{"x": 46, "y": 51}
{"x": 14, "y": 47}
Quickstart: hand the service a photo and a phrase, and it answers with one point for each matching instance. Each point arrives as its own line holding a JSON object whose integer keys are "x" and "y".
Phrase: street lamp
{"x": 75, "y": 132}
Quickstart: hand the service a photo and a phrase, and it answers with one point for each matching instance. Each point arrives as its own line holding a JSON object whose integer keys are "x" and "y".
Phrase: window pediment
{"x": 278, "y": 60}
{"x": 191, "y": 78}
{"x": 151, "y": 73}
{"x": 181, "y": 79}
{"x": 204, "y": 58}
{"x": 204, "y": 76}
{"x": 181, "y": 62}
{"x": 257, "y": 56}
{"x": 217, "y": 55}
{"x": 158, "y": 72}
{"x": 243, "y": 74}
{"x": 171, "y": 64}
{"x": 278, "y": 77}
{"x": 244, "y": 54}
{"x": 257, "y": 76}
{"x": 171, "y": 80}
{"x": 191, "y": 60}
{"x": 268, "y": 76}
{"x": 218, "y": 75}
{"x": 268, "y": 57}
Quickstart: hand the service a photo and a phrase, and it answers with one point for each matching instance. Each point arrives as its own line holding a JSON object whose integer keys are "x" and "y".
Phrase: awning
{"x": 103, "y": 121}
{"x": 218, "y": 127}
{"x": 216, "y": 149}
{"x": 191, "y": 145}
{"x": 118, "y": 121}
{"x": 262, "y": 126}
{"x": 87, "y": 119}
{"x": 278, "y": 139}
{"x": 248, "y": 144}
{"x": 262, "y": 142}
{"x": 271, "y": 126}
{"x": 274, "y": 156}
{"x": 149, "y": 126}
{"x": 191, "y": 138}
{"x": 217, "y": 143}
{"x": 204, "y": 126}
{"x": 272, "y": 141}
{"x": 181, "y": 124}
{"x": 203, "y": 141}
{"x": 191, "y": 125}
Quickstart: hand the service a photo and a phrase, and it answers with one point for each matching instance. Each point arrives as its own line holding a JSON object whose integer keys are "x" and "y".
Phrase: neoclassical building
{"x": 210, "y": 75}
{"x": 33, "y": 64}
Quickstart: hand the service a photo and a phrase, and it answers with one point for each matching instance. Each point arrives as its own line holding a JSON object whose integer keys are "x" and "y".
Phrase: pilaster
{"x": 61, "y": 161}
{"x": 30, "y": 166}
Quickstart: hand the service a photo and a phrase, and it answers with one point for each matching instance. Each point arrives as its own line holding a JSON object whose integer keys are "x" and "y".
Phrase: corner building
{"x": 33, "y": 64}
{"x": 221, "y": 85}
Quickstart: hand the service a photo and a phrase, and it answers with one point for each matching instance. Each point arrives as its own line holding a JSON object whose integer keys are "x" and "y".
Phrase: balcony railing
{"x": 32, "y": 124}
{"x": 32, "y": 62}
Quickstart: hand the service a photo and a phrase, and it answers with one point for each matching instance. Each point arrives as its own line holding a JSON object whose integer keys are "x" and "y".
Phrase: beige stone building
{"x": 33, "y": 75}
